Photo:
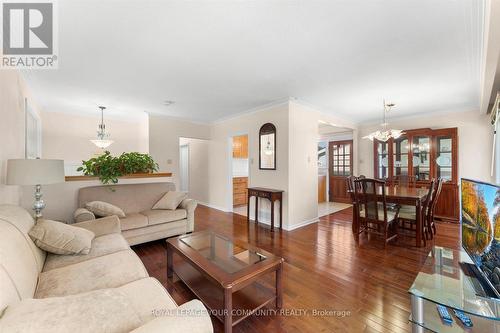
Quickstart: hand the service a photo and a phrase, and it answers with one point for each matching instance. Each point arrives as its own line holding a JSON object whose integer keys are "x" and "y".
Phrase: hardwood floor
{"x": 325, "y": 269}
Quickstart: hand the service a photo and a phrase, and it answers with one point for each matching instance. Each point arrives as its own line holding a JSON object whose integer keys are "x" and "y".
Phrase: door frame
{"x": 185, "y": 146}
{"x": 229, "y": 201}
{"x": 330, "y": 168}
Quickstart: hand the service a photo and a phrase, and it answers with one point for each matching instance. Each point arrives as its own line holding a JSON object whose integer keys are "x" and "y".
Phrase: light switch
{"x": 169, "y": 161}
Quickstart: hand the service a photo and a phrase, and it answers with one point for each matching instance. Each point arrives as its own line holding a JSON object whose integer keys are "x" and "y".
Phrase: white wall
{"x": 303, "y": 165}
{"x": 221, "y": 156}
{"x": 303, "y": 172}
{"x": 297, "y": 170}
{"x": 474, "y": 141}
{"x": 164, "y": 135}
{"x": 198, "y": 168}
{"x": 12, "y": 128}
{"x": 66, "y": 136}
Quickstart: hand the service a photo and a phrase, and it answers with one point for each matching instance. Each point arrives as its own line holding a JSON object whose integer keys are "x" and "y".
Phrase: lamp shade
{"x": 35, "y": 171}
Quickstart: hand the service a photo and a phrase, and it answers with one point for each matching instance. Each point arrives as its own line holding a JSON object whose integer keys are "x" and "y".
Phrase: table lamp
{"x": 35, "y": 172}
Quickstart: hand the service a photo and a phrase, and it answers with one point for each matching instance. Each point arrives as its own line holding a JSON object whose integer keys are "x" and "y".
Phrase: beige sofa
{"x": 107, "y": 290}
{"x": 141, "y": 224}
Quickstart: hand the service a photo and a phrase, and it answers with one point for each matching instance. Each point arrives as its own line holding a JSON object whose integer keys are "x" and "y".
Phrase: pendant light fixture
{"x": 385, "y": 134}
{"x": 102, "y": 140}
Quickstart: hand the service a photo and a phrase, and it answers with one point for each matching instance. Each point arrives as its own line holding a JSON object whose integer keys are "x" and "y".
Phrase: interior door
{"x": 339, "y": 167}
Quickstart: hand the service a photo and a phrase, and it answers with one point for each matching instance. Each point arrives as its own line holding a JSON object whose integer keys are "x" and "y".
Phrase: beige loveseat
{"x": 141, "y": 224}
{"x": 107, "y": 290}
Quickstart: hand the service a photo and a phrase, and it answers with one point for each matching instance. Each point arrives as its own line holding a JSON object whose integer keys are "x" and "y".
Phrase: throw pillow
{"x": 171, "y": 200}
{"x": 102, "y": 209}
{"x": 60, "y": 238}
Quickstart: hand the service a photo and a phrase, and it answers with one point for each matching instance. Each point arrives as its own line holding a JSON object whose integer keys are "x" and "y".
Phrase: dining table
{"x": 401, "y": 195}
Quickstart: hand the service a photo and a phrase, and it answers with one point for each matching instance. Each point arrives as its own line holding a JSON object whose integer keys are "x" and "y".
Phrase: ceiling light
{"x": 102, "y": 140}
{"x": 385, "y": 134}
{"x": 168, "y": 103}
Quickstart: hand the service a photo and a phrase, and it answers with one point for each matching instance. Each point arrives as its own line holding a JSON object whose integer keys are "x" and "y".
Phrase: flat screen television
{"x": 480, "y": 224}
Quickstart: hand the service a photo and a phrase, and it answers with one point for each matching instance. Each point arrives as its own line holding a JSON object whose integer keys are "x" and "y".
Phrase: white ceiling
{"x": 220, "y": 58}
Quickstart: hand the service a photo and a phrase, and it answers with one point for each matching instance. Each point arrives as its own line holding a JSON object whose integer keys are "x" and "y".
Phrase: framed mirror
{"x": 267, "y": 147}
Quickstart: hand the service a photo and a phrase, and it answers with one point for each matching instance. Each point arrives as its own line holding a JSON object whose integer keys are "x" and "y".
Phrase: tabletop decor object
{"x": 35, "y": 172}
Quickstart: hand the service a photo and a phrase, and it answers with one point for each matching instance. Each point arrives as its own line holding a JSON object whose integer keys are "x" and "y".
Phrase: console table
{"x": 270, "y": 194}
{"x": 442, "y": 281}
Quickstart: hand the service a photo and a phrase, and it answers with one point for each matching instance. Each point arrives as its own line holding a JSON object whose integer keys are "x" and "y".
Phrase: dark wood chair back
{"x": 431, "y": 227}
{"x": 350, "y": 183}
{"x": 365, "y": 191}
{"x": 430, "y": 194}
{"x": 370, "y": 197}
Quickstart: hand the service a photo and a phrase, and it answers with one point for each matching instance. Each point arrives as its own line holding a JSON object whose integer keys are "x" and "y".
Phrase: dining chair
{"x": 350, "y": 187}
{"x": 350, "y": 184}
{"x": 431, "y": 226}
{"x": 408, "y": 214}
{"x": 404, "y": 180}
{"x": 374, "y": 217}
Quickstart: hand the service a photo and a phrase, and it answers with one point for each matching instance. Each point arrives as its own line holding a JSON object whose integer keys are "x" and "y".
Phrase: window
{"x": 341, "y": 158}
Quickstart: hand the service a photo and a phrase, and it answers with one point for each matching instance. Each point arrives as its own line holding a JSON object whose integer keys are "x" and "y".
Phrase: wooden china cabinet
{"x": 425, "y": 154}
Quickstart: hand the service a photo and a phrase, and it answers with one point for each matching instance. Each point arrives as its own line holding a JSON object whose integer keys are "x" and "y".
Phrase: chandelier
{"x": 385, "y": 134}
{"x": 102, "y": 140}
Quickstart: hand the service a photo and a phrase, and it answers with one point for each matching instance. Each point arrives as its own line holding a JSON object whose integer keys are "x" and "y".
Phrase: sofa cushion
{"x": 102, "y": 226}
{"x": 175, "y": 320}
{"x": 101, "y": 208}
{"x": 21, "y": 260}
{"x": 60, "y": 238}
{"x": 156, "y": 231}
{"x": 107, "y": 310}
{"x": 148, "y": 298}
{"x": 109, "y": 271}
{"x": 171, "y": 200}
{"x": 164, "y": 215}
{"x": 132, "y": 198}
{"x": 101, "y": 246}
{"x": 134, "y": 221}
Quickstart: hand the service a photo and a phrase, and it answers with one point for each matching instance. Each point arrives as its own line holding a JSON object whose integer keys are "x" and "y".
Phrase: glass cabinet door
{"x": 444, "y": 157}
{"x": 400, "y": 150}
{"x": 421, "y": 147}
{"x": 382, "y": 160}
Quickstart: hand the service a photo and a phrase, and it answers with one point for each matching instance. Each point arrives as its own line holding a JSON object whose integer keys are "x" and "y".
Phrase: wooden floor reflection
{"x": 325, "y": 269}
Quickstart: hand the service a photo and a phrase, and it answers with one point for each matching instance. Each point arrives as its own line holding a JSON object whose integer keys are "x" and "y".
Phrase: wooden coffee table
{"x": 225, "y": 275}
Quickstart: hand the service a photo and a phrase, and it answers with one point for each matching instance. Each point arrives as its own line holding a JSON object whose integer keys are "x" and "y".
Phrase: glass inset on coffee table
{"x": 222, "y": 251}
{"x": 225, "y": 275}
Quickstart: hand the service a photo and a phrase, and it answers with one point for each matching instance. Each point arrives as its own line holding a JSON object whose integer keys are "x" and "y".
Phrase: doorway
{"x": 239, "y": 174}
{"x": 184, "y": 167}
{"x": 339, "y": 168}
{"x": 335, "y": 164}
{"x": 193, "y": 176}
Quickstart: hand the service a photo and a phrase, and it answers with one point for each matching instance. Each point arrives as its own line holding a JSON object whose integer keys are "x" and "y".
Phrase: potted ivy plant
{"x": 109, "y": 168}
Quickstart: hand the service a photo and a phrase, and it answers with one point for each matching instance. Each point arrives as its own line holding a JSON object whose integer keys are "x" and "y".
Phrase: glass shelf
{"x": 442, "y": 281}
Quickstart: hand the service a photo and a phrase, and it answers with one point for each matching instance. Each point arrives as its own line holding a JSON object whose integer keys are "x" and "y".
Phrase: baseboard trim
{"x": 302, "y": 224}
{"x": 214, "y": 207}
{"x": 265, "y": 221}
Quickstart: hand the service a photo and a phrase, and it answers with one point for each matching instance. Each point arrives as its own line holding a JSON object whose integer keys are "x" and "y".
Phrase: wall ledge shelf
{"x": 136, "y": 175}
